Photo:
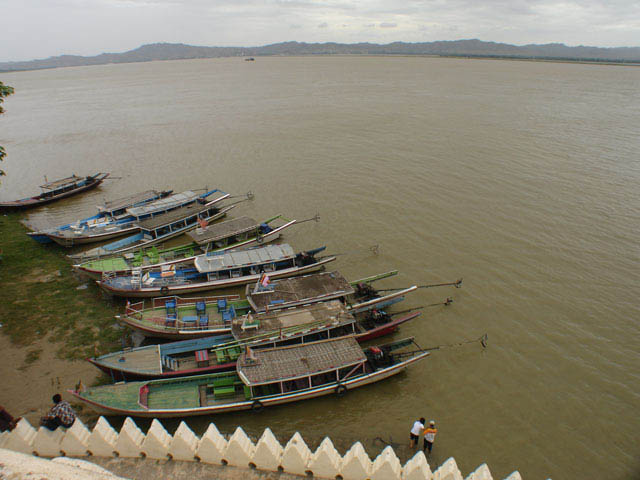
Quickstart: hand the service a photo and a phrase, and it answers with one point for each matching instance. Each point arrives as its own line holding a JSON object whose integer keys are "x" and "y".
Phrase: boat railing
{"x": 159, "y": 302}
{"x": 134, "y": 309}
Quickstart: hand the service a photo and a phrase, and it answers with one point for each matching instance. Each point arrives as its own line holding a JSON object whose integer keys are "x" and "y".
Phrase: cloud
{"x": 42, "y": 28}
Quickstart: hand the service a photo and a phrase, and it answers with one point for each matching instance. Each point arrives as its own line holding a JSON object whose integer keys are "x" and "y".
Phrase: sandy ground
{"x": 27, "y": 391}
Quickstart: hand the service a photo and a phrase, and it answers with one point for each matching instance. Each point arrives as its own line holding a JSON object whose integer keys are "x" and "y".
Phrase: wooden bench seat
{"x": 221, "y": 392}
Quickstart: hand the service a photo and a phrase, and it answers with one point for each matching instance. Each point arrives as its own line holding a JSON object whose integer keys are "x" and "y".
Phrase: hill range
{"x": 457, "y": 48}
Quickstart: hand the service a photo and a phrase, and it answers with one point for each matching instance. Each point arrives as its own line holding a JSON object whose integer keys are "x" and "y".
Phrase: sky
{"x": 31, "y": 29}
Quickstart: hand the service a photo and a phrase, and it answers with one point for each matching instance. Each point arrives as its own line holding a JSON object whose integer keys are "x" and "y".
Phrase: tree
{"x": 5, "y": 91}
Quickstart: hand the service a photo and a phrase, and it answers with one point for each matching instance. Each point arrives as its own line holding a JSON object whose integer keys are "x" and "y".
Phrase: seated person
{"x": 7, "y": 422}
{"x": 60, "y": 415}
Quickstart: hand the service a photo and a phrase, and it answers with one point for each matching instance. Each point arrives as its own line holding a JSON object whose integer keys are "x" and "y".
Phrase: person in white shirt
{"x": 416, "y": 430}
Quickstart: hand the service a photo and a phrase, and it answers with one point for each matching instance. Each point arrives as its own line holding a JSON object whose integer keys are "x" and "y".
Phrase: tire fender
{"x": 341, "y": 390}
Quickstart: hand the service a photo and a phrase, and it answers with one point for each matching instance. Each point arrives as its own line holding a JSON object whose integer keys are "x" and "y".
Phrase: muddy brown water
{"x": 521, "y": 177}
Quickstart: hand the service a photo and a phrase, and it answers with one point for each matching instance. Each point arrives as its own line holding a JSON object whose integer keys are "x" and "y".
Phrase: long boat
{"x": 55, "y": 190}
{"x": 236, "y": 233}
{"x": 214, "y": 271}
{"x": 185, "y": 322}
{"x": 161, "y": 228}
{"x": 263, "y": 378}
{"x": 113, "y": 212}
{"x": 316, "y": 322}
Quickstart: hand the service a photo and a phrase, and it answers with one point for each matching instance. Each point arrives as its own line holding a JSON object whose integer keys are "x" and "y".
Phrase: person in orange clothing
{"x": 429, "y": 436}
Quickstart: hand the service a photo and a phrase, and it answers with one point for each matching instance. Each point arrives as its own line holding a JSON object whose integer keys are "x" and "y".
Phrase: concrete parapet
{"x": 212, "y": 446}
{"x": 156, "y": 442}
{"x": 325, "y": 462}
{"x": 102, "y": 441}
{"x": 417, "y": 468}
{"x": 47, "y": 442}
{"x": 76, "y": 440}
{"x": 386, "y": 466}
{"x": 21, "y": 438}
{"x": 448, "y": 471}
{"x": 480, "y": 473}
{"x": 240, "y": 449}
{"x": 129, "y": 443}
{"x": 296, "y": 455}
{"x": 184, "y": 444}
{"x": 268, "y": 452}
{"x": 356, "y": 464}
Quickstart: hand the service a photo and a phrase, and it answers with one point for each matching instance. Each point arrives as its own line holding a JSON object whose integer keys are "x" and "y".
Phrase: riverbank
{"x": 51, "y": 321}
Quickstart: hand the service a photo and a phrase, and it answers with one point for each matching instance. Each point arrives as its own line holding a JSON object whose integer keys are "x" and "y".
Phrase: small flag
{"x": 202, "y": 222}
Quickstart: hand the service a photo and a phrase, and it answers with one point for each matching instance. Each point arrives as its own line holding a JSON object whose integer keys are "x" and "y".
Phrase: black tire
{"x": 257, "y": 406}
{"x": 164, "y": 290}
{"x": 341, "y": 390}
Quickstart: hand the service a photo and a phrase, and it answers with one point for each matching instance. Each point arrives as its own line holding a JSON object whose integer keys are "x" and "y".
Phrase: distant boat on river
{"x": 55, "y": 190}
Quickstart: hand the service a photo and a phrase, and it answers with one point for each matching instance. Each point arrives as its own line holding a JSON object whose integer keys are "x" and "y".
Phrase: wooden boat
{"x": 56, "y": 190}
{"x": 316, "y": 322}
{"x": 263, "y": 378}
{"x": 237, "y": 233}
{"x": 214, "y": 271}
{"x": 358, "y": 295}
{"x": 161, "y": 228}
{"x": 155, "y": 321}
{"x": 113, "y": 212}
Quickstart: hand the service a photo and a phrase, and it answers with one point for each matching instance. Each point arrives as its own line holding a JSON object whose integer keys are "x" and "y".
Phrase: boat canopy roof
{"x": 171, "y": 201}
{"x": 223, "y": 230}
{"x": 172, "y": 216}
{"x": 60, "y": 183}
{"x": 258, "y": 367}
{"x": 123, "y": 202}
{"x": 326, "y": 285}
{"x": 216, "y": 261}
{"x": 319, "y": 314}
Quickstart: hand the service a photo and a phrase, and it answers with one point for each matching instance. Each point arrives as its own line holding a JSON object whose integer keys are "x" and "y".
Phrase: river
{"x": 523, "y": 178}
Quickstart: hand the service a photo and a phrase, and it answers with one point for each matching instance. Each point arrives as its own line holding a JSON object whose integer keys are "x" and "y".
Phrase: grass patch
{"x": 32, "y": 356}
{"x": 39, "y": 296}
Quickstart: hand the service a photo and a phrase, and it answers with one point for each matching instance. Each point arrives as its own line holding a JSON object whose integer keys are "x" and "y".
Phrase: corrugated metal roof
{"x": 223, "y": 230}
{"x": 172, "y": 216}
{"x": 243, "y": 258}
{"x": 163, "y": 204}
{"x": 133, "y": 199}
{"x": 285, "y": 363}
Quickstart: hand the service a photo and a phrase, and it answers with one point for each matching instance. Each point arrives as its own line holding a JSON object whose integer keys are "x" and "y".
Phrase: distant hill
{"x": 462, "y": 48}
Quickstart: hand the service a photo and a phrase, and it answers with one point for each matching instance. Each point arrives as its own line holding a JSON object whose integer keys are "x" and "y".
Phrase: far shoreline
{"x": 386, "y": 55}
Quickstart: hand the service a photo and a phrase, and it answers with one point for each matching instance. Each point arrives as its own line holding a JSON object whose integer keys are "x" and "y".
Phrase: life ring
{"x": 257, "y": 406}
{"x": 164, "y": 290}
{"x": 341, "y": 390}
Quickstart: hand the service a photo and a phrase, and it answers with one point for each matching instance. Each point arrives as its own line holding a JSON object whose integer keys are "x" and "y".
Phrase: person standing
{"x": 417, "y": 428}
{"x": 60, "y": 415}
{"x": 429, "y": 436}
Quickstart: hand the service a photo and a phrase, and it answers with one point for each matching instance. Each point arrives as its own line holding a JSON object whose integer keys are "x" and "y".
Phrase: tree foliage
{"x": 5, "y": 91}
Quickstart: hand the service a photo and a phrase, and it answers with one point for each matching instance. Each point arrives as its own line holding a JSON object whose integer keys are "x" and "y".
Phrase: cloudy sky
{"x": 41, "y": 28}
